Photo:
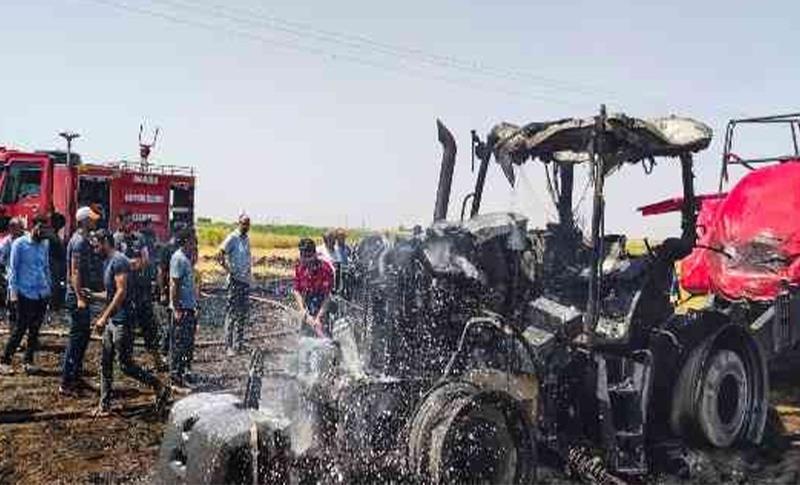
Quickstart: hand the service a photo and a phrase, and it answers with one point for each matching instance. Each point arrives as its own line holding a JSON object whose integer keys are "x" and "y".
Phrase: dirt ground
{"x": 45, "y": 438}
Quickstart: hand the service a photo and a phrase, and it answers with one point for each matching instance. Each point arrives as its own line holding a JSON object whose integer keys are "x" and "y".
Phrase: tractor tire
{"x": 461, "y": 435}
{"x": 713, "y": 399}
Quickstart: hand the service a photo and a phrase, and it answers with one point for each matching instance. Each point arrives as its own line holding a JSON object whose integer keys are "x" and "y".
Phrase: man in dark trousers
{"x": 133, "y": 245}
{"x": 79, "y": 255}
{"x": 29, "y": 290}
{"x": 234, "y": 256}
{"x": 114, "y": 323}
{"x": 183, "y": 303}
{"x": 58, "y": 261}
{"x": 313, "y": 284}
{"x": 142, "y": 285}
{"x": 163, "y": 256}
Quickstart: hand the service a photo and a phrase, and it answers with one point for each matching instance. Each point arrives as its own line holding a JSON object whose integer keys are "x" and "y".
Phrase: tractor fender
{"x": 688, "y": 412}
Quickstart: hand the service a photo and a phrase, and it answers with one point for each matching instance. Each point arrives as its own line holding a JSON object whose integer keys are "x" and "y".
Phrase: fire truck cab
{"x": 34, "y": 182}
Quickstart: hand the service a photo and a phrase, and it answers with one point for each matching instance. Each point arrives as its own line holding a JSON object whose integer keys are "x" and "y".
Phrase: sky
{"x": 324, "y": 112}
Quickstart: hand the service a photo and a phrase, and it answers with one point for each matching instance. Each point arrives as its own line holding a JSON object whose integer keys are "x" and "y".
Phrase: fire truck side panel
{"x": 144, "y": 196}
{"x": 61, "y": 191}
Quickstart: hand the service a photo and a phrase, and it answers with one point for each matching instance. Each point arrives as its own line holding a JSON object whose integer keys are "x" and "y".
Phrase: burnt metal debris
{"x": 477, "y": 350}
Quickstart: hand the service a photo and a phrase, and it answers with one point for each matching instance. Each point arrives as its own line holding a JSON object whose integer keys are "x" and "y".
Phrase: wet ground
{"x": 45, "y": 438}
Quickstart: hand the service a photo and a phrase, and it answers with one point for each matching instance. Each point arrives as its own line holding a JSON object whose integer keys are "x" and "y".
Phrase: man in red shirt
{"x": 313, "y": 283}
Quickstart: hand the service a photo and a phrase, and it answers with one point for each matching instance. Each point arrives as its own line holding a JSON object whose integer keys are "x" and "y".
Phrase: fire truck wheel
{"x": 461, "y": 435}
{"x": 725, "y": 398}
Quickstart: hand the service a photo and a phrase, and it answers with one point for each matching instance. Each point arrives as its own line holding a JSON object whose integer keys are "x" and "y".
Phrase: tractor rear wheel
{"x": 725, "y": 399}
{"x": 714, "y": 398}
{"x": 460, "y": 434}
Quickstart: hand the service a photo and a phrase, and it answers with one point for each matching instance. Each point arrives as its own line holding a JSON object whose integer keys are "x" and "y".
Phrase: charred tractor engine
{"x": 473, "y": 351}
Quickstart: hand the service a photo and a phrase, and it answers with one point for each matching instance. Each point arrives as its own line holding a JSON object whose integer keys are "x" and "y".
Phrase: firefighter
{"x": 183, "y": 303}
{"x": 313, "y": 283}
{"x": 234, "y": 256}
{"x": 79, "y": 256}
{"x": 29, "y": 291}
{"x": 115, "y": 325}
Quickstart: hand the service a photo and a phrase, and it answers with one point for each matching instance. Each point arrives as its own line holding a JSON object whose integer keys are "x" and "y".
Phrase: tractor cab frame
{"x": 729, "y": 158}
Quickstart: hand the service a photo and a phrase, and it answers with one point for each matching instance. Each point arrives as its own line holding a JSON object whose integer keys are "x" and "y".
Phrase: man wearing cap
{"x": 29, "y": 291}
{"x": 79, "y": 254}
{"x": 234, "y": 256}
{"x": 313, "y": 283}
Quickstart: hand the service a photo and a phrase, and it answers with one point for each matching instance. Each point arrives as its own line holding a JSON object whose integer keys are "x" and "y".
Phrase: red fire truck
{"x": 36, "y": 182}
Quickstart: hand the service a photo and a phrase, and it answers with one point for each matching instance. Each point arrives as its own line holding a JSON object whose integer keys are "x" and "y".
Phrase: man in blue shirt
{"x": 114, "y": 323}
{"x": 234, "y": 256}
{"x": 29, "y": 291}
{"x": 183, "y": 303}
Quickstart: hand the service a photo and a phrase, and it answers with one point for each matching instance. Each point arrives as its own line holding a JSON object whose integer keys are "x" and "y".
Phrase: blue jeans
{"x": 181, "y": 346}
{"x": 79, "y": 333}
{"x": 313, "y": 303}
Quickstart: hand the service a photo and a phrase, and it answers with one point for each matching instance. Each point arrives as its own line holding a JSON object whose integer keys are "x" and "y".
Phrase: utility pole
{"x": 73, "y": 181}
{"x": 69, "y": 136}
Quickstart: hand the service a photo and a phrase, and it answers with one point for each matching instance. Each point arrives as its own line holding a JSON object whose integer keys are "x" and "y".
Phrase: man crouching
{"x": 116, "y": 326}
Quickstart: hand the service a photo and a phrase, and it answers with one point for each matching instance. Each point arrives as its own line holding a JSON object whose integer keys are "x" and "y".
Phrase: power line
{"x": 323, "y": 52}
{"x": 364, "y": 43}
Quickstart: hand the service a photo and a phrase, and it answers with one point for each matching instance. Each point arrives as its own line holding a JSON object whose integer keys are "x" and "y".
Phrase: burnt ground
{"x": 45, "y": 438}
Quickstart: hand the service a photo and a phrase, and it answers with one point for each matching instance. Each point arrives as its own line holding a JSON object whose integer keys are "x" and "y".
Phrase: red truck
{"x": 33, "y": 182}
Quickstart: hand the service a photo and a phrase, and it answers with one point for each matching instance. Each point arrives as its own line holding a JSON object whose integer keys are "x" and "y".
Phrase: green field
{"x": 263, "y": 236}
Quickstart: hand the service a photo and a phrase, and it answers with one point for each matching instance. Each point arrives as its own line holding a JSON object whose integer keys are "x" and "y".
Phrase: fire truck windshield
{"x": 21, "y": 181}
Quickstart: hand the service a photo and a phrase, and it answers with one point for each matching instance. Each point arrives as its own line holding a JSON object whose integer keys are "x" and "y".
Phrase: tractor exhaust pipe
{"x": 446, "y": 172}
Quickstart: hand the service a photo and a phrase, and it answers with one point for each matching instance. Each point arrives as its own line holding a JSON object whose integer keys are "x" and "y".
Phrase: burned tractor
{"x": 473, "y": 351}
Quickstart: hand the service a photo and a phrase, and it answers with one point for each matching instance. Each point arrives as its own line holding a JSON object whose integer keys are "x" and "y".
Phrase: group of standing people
{"x": 128, "y": 260}
{"x": 131, "y": 262}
